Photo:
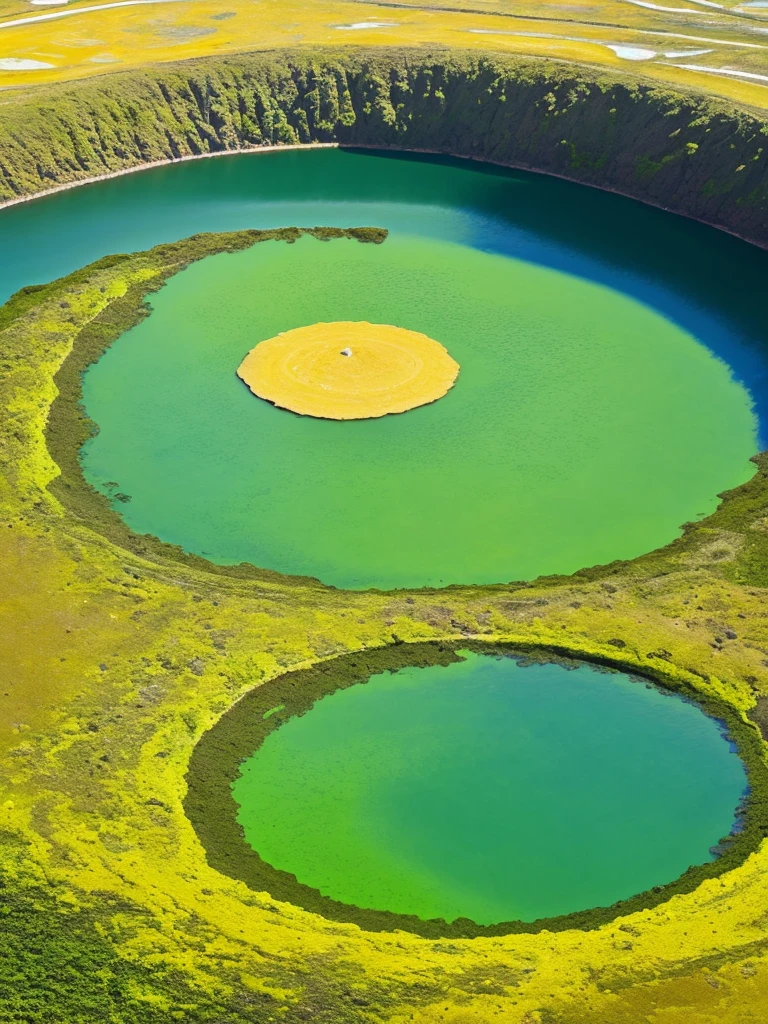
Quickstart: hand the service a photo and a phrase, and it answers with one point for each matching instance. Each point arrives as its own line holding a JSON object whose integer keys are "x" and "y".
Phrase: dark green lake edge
{"x": 69, "y": 427}
{"x": 217, "y": 758}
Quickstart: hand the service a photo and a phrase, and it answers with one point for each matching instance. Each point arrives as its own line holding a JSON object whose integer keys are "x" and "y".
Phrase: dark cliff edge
{"x": 689, "y": 153}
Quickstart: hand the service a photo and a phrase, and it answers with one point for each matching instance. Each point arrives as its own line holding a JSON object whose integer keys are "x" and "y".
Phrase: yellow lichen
{"x": 349, "y": 370}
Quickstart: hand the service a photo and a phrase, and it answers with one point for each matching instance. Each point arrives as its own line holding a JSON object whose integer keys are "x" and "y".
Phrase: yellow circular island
{"x": 349, "y": 370}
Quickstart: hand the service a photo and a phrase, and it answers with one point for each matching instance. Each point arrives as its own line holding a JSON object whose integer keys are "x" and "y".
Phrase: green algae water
{"x": 491, "y": 789}
{"x": 584, "y": 426}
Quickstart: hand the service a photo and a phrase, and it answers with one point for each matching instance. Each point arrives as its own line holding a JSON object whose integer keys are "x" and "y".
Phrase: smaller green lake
{"x": 491, "y": 789}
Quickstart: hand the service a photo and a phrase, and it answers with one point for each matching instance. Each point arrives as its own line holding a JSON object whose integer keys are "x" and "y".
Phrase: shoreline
{"x": 137, "y": 168}
{"x": 255, "y": 150}
{"x": 562, "y": 177}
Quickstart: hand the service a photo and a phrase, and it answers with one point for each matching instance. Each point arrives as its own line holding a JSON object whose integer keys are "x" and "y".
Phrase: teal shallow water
{"x": 491, "y": 790}
{"x": 584, "y": 425}
{"x": 709, "y": 282}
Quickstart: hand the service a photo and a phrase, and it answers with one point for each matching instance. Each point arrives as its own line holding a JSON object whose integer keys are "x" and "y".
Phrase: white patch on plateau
{"x": 667, "y": 10}
{"x": 17, "y": 64}
{"x": 624, "y": 50}
{"x": 704, "y": 39}
{"x": 685, "y": 53}
{"x": 357, "y": 25}
{"x": 83, "y": 10}
{"x": 631, "y": 52}
{"x": 722, "y": 71}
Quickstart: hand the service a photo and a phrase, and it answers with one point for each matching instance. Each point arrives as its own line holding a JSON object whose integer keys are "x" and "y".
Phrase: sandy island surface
{"x": 349, "y": 370}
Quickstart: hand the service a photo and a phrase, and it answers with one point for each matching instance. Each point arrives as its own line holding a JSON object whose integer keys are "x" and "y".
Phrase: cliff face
{"x": 687, "y": 153}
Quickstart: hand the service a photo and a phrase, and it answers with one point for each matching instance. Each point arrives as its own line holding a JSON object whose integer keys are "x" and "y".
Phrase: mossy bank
{"x": 683, "y": 151}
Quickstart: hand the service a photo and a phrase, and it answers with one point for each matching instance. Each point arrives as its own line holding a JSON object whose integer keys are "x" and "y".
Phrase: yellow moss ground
{"x": 349, "y": 370}
{"x": 719, "y": 50}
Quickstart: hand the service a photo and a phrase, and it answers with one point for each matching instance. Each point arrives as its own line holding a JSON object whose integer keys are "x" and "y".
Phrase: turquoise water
{"x": 491, "y": 790}
{"x": 551, "y": 457}
{"x": 706, "y": 281}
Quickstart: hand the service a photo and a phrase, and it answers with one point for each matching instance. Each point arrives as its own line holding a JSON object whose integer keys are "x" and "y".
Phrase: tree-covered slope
{"x": 688, "y": 153}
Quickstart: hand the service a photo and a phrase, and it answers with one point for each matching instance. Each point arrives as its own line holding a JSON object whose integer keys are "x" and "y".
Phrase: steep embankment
{"x": 688, "y": 153}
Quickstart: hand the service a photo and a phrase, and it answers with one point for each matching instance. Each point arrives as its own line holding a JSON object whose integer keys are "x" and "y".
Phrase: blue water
{"x": 708, "y": 282}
